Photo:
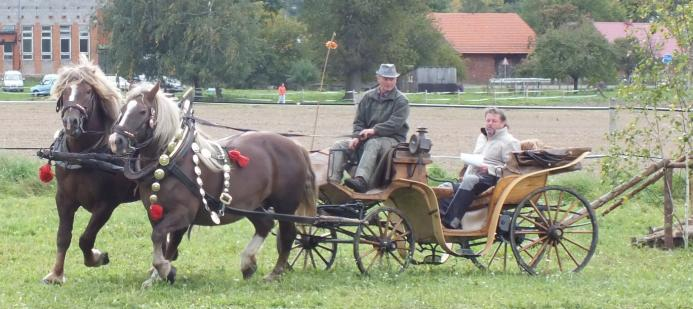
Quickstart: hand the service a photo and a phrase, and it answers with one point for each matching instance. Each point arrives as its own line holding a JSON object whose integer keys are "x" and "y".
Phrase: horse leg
{"x": 173, "y": 222}
{"x": 172, "y": 242}
{"x": 66, "y": 215}
{"x": 248, "y": 261}
{"x": 93, "y": 257}
{"x": 285, "y": 238}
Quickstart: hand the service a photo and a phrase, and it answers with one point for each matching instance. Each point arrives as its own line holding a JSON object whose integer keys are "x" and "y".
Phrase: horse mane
{"x": 168, "y": 121}
{"x": 85, "y": 71}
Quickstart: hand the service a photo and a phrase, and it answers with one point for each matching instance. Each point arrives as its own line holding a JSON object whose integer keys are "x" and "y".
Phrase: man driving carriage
{"x": 380, "y": 124}
{"x": 495, "y": 144}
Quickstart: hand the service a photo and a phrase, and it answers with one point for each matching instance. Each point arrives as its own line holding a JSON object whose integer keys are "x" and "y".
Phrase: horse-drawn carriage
{"x": 185, "y": 179}
{"x": 547, "y": 228}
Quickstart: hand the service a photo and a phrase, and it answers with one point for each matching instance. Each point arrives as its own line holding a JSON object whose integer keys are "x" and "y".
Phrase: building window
{"x": 27, "y": 42}
{"x": 65, "y": 42}
{"x": 7, "y": 51}
{"x": 84, "y": 40}
{"x": 46, "y": 43}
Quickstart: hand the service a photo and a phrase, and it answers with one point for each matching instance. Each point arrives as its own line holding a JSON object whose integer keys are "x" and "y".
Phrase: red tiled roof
{"x": 616, "y": 30}
{"x": 486, "y": 33}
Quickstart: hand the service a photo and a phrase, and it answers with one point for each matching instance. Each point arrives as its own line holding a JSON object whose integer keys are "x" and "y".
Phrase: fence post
{"x": 668, "y": 210}
{"x": 612, "y": 116}
{"x": 426, "y": 96}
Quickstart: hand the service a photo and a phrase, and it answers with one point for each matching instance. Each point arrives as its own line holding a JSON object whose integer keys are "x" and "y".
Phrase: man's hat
{"x": 387, "y": 70}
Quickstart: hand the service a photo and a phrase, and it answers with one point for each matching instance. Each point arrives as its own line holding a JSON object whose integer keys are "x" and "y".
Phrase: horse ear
{"x": 151, "y": 95}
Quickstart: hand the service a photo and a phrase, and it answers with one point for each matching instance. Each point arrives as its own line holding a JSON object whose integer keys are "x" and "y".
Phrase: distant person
{"x": 380, "y": 124}
{"x": 495, "y": 143}
{"x": 282, "y": 94}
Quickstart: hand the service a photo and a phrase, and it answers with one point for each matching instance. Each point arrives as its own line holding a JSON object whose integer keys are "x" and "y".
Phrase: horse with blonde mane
{"x": 88, "y": 106}
{"x": 180, "y": 173}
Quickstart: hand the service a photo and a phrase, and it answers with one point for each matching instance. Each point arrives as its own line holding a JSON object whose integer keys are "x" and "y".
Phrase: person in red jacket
{"x": 282, "y": 94}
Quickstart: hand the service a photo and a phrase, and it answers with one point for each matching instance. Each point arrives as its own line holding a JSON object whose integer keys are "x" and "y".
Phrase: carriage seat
{"x": 483, "y": 199}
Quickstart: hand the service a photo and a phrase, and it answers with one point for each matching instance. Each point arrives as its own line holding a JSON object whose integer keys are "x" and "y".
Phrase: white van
{"x": 12, "y": 81}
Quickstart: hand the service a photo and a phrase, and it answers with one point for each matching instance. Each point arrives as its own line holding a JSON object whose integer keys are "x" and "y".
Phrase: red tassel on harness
{"x": 45, "y": 173}
{"x": 237, "y": 157}
{"x": 156, "y": 212}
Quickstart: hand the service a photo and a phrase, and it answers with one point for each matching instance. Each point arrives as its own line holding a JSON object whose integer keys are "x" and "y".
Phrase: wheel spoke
{"x": 493, "y": 257}
{"x": 326, "y": 248}
{"x": 578, "y": 231}
{"x": 533, "y": 243}
{"x": 505, "y": 255}
{"x": 369, "y": 252}
{"x": 312, "y": 259}
{"x": 574, "y": 243}
{"x": 571, "y": 220}
{"x": 558, "y": 259}
{"x": 530, "y": 232}
{"x": 396, "y": 258}
{"x": 324, "y": 260}
{"x": 534, "y": 222}
{"x": 377, "y": 257}
{"x": 538, "y": 255}
{"x": 558, "y": 205}
{"x": 298, "y": 255}
{"x": 570, "y": 209}
{"x": 570, "y": 255}
{"x": 539, "y": 212}
{"x": 394, "y": 229}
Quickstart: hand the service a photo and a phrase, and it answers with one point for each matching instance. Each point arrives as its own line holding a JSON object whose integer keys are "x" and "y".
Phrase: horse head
{"x": 147, "y": 117}
{"x": 77, "y": 106}
{"x": 86, "y": 101}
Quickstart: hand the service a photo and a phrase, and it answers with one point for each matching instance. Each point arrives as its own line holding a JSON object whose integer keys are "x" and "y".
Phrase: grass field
{"x": 472, "y": 96}
{"x": 618, "y": 276}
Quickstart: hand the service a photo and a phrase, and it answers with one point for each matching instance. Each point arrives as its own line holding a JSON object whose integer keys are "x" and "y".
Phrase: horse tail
{"x": 308, "y": 206}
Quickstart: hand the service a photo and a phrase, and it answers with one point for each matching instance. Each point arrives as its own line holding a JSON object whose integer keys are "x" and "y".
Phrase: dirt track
{"x": 451, "y": 129}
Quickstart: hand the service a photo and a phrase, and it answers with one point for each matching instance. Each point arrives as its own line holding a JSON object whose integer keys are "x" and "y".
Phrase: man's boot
{"x": 357, "y": 184}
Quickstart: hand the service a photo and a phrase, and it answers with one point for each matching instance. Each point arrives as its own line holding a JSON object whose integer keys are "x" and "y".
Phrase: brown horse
{"x": 278, "y": 175}
{"x": 88, "y": 106}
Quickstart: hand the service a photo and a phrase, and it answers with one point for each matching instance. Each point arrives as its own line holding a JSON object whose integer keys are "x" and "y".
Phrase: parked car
{"x": 12, "y": 81}
{"x": 120, "y": 82}
{"x": 48, "y": 77}
{"x": 44, "y": 88}
{"x": 171, "y": 85}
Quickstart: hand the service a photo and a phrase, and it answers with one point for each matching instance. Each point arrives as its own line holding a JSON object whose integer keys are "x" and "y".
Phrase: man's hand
{"x": 353, "y": 143}
{"x": 366, "y": 133}
{"x": 483, "y": 169}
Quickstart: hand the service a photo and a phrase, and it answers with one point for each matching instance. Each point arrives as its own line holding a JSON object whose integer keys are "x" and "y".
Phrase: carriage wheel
{"x": 311, "y": 250}
{"x": 554, "y": 229}
{"x": 384, "y": 242}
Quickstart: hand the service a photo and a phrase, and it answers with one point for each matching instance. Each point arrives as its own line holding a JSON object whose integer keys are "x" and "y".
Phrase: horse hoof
{"x": 171, "y": 277}
{"x": 272, "y": 277}
{"x": 53, "y": 279}
{"x": 105, "y": 260}
{"x": 248, "y": 272}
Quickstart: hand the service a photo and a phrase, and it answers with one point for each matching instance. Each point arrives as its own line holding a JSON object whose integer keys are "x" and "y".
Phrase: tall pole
{"x": 327, "y": 57}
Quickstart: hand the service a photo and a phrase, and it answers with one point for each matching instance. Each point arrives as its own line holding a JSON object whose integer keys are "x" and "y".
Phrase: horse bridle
{"x": 84, "y": 115}
{"x": 133, "y": 144}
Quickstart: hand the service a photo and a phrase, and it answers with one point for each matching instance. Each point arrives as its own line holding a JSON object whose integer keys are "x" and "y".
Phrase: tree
{"x": 283, "y": 42}
{"x": 543, "y": 15}
{"x": 203, "y": 42}
{"x": 629, "y": 54}
{"x": 303, "y": 72}
{"x": 372, "y": 32}
{"x": 575, "y": 51}
{"x": 659, "y": 97}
